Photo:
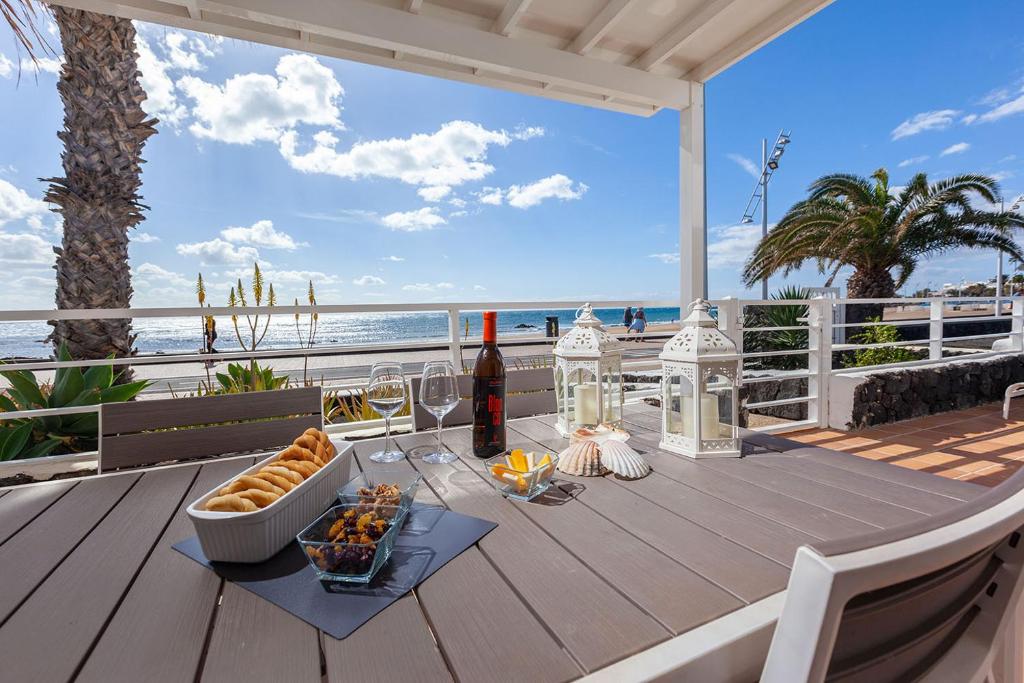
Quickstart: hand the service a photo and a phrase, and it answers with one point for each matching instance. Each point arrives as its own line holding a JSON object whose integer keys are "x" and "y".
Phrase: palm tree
{"x": 104, "y": 131}
{"x": 20, "y": 16}
{"x": 882, "y": 232}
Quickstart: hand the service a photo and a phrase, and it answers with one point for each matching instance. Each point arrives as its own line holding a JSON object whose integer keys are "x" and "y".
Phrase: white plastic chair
{"x": 1012, "y": 391}
{"x": 929, "y": 601}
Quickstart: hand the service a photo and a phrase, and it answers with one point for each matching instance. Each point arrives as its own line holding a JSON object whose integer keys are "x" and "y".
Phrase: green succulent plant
{"x": 34, "y": 437}
{"x": 244, "y": 378}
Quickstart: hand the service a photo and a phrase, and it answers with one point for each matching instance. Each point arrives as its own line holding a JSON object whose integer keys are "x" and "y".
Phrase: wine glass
{"x": 386, "y": 395}
{"x": 439, "y": 394}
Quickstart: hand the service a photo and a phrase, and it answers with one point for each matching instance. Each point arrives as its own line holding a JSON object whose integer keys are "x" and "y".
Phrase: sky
{"x": 383, "y": 186}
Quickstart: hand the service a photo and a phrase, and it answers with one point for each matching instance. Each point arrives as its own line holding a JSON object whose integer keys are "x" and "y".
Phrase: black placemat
{"x": 430, "y": 538}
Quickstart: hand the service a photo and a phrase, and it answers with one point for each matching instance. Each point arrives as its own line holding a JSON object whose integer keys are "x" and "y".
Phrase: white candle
{"x": 708, "y": 416}
{"x": 585, "y": 396}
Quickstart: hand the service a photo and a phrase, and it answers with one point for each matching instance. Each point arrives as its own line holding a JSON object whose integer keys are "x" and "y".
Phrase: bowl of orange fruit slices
{"x": 522, "y": 475}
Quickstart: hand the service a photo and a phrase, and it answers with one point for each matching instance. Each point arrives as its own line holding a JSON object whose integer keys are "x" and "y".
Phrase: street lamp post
{"x": 760, "y": 194}
{"x": 999, "y": 264}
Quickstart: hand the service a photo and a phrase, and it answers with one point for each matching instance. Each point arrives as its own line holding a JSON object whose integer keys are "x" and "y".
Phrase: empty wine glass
{"x": 386, "y": 395}
{"x": 439, "y": 394}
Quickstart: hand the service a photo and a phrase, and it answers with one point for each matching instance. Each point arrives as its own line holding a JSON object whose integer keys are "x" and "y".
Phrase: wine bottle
{"x": 489, "y": 393}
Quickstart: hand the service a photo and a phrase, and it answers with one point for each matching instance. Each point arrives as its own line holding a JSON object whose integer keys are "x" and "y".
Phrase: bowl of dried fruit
{"x": 352, "y": 541}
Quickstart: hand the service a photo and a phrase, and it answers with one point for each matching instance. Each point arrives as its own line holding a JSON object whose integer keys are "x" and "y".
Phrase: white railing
{"x": 820, "y": 325}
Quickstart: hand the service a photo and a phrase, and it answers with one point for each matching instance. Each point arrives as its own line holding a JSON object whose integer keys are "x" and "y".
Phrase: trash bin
{"x": 551, "y": 326}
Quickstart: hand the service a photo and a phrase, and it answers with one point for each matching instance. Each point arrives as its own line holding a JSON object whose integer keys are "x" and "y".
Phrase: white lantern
{"x": 701, "y": 371}
{"x": 588, "y": 375}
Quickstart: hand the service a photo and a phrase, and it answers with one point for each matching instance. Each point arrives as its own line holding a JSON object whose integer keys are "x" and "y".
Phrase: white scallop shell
{"x": 581, "y": 459}
{"x": 621, "y": 459}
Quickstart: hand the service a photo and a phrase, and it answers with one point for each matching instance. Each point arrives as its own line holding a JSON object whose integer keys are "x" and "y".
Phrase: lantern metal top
{"x": 587, "y": 339}
{"x": 700, "y": 338}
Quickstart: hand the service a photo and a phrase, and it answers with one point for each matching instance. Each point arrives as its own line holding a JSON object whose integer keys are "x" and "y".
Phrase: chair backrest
{"x": 139, "y": 433}
{"x": 527, "y": 392}
{"x": 929, "y": 600}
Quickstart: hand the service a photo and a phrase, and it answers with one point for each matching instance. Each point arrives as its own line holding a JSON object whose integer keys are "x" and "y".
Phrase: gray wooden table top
{"x": 598, "y": 570}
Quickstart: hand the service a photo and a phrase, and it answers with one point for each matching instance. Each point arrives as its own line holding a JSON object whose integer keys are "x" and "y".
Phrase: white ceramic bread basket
{"x": 257, "y": 536}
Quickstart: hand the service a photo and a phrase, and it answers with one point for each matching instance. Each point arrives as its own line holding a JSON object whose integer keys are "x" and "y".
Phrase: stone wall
{"x": 893, "y": 395}
{"x": 775, "y": 390}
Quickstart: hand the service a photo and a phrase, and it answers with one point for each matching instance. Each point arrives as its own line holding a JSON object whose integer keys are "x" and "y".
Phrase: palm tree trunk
{"x": 868, "y": 283}
{"x": 104, "y": 131}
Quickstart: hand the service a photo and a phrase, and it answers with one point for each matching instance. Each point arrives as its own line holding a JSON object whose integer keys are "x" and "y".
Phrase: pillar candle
{"x": 708, "y": 416}
{"x": 585, "y": 396}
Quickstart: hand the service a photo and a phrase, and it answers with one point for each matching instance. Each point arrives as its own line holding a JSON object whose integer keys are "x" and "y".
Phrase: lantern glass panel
{"x": 560, "y": 390}
{"x": 676, "y": 390}
{"x": 613, "y": 395}
{"x": 716, "y": 408}
{"x": 582, "y": 405}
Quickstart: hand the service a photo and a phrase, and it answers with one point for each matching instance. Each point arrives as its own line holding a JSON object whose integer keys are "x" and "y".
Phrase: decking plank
{"x": 135, "y": 645}
{"x": 22, "y": 505}
{"x": 469, "y": 604}
{"x": 556, "y": 585}
{"x": 49, "y": 635}
{"x": 31, "y": 554}
{"x": 258, "y": 642}
{"x": 765, "y": 536}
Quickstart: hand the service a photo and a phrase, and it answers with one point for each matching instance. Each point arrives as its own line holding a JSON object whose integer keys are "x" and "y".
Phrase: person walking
{"x": 639, "y": 323}
{"x": 627, "y": 317}
{"x": 209, "y": 336}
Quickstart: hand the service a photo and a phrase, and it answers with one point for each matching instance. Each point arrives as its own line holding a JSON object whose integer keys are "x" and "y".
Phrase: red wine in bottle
{"x": 489, "y": 393}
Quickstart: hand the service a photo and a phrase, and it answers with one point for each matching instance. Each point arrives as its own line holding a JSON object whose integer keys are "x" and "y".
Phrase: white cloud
{"x": 479, "y": 288}
{"x": 746, "y": 164}
{"x": 252, "y": 107}
{"x": 969, "y": 119}
{"x": 732, "y": 245}
{"x": 557, "y": 186}
{"x": 6, "y": 66}
{"x": 457, "y": 202}
{"x": 1014, "y": 106}
{"x": 427, "y": 286}
{"x": 218, "y": 251}
{"x": 426, "y": 218}
{"x": 25, "y": 249}
{"x": 262, "y": 234}
{"x": 16, "y": 204}
{"x": 913, "y": 160}
{"x": 144, "y": 238}
{"x": 458, "y": 214}
{"x": 1000, "y": 176}
{"x": 48, "y": 65}
{"x": 161, "y": 97}
{"x": 958, "y": 148}
{"x": 150, "y": 274}
{"x": 368, "y": 280}
{"x": 184, "y": 52}
{"x": 454, "y": 154}
{"x": 434, "y": 193}
{"x": 666, "y": 257}
{"x": 996, "y": 97}
{"x": 929, "y": 120}
{"x": 393, "y": 259}
{"x": 491, "y": 195}
{"x": 286, "y": 277}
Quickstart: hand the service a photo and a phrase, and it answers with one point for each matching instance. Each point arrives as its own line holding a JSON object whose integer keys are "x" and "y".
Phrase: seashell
{"x": 599, "y": 434}
{"x": 621, "y": 459}
{"x": 582, "y": 459}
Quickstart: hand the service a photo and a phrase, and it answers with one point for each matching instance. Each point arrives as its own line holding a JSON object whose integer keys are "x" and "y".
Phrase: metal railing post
{"x": 454, "y": 344}
{"x": 935, "y": 330}
{"x": 1017, "y": 324}
{"x": 819, "y": 358}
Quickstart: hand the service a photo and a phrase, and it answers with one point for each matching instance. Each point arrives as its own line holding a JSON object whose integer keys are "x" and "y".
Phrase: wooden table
{"x": 599, "y": 570}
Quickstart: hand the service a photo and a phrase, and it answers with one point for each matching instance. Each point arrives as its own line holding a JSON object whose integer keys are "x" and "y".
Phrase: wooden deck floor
{"x": 975, "y": 445}
{"x": 598, "y": 570}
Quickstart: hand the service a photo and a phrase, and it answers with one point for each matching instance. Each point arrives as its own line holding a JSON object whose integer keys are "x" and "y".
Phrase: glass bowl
{"x": 521, "y": 484}
{"x": 405, "y": 479}
{"x": 361, "y": 555}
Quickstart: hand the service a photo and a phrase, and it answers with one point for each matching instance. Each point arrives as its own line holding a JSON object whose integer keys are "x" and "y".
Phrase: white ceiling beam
{"x": 193, "y": 9}
{"x": 433, "y": 38}
{"x": 594, "y": 31}
{"x": 413, "y": 6}
{"x": 509, "y": 16}
{"x": 765, "y": 31}
{"x": 680, "y": 33}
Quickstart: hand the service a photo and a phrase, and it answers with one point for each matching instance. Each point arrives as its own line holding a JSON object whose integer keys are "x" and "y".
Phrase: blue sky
{"x": 384, "y": 186}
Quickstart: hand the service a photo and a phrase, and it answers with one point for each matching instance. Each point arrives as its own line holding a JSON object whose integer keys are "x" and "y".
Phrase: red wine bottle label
{"x": 488, "y": 416}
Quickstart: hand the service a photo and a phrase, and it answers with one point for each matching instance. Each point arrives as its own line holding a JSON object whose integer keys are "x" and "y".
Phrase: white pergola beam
{"x": 692, "y": 202}
{"x": 680, "y": 33}
{"x": 594, "y": 31}
{"x": 509, "y": 16}
{"x": 415, "y": 34}
{"x": 766, "y": 31}
{"x": 413, "y": 6}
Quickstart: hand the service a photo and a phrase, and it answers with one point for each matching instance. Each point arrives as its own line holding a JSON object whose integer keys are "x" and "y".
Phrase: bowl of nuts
{"x": 394, "y": 486}
{"x": 352, "y": 541}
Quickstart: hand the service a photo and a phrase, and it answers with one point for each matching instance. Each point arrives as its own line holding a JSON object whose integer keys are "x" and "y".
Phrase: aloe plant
{"x": 244, "y": 378}
{"x": 34, "y": 437}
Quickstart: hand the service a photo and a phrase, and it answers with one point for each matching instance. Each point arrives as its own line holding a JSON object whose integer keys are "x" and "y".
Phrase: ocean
{"x": 184, "y": 335}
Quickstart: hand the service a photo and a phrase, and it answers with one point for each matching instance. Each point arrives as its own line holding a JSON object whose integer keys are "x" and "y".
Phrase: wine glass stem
{"x": 387, "y": 433}
{"x": 440, "y": 448}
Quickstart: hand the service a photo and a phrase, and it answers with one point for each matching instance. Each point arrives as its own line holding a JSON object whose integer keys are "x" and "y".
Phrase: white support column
{"x": 454, "y": 343}
{"x": 692, "y": 202}
{"x": 819, "y": 358}
{"x": 935, "y": 330}
{"x": 1017, "y": 325}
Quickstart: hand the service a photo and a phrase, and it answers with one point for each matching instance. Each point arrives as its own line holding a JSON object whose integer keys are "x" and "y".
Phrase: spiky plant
{"x": 882, "y": 231}
{"x": 307, "y": 340}
{"x": 236, "y": 297}
{"x": 104, "y": 132}
{"x": 786, "y": 315}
